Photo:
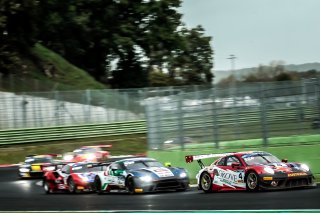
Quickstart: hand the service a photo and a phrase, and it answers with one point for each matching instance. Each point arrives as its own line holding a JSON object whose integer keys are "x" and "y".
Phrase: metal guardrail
{"x": 33, "y": 135}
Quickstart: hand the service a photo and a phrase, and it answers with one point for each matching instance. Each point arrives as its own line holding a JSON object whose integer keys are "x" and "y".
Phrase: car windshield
{"x": 260, "y": 158}
{"x": 132, "y": 165}
{"x": 38, "y": 160}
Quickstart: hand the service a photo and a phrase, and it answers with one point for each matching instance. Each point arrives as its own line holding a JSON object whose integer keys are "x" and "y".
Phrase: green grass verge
{"x": 276, "y": 141}
{"x": 309, "y": 154}
{"x": 128, "y": 144}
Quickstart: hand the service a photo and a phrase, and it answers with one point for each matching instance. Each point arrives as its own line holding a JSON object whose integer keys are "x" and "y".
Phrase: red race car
{"x": 250, "y": 171}
{"x": 72, "y": 177}
{"x": 88, "y": 153}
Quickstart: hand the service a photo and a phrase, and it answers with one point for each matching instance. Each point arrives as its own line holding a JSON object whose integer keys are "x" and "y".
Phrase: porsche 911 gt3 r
{"x": 250, "y": 171}
{"x": 137, "y": 175}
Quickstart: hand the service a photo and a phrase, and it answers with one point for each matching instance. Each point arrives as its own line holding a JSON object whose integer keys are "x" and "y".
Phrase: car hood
{"x": 159, "y": 172}
{"x": 286, "y": 167}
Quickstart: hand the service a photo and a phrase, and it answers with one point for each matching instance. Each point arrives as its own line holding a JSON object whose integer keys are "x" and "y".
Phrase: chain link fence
{"x": 26, "y": 103}
{"x": 176, "y": 116}
{"x": 215, "y": 116}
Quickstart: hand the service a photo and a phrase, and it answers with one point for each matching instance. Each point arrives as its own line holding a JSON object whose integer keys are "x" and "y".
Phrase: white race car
{"x": 137, "y": 175}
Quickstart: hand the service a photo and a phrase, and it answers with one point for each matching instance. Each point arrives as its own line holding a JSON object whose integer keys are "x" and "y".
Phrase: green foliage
{"x": 158, "y": 79}
{"x": 117, "y": 42}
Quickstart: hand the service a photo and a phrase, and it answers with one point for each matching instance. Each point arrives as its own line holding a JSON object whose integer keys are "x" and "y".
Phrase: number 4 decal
{"x": 240, "y": 175}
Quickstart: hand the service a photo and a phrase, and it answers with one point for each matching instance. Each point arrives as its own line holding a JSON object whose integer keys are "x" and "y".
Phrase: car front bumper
{"x": 284, "y": 180}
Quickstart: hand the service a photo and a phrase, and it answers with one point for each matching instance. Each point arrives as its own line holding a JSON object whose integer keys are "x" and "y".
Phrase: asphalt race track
{"x": 27, "y": 195}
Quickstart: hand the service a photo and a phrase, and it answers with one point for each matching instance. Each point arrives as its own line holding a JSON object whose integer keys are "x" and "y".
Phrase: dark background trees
{"x": 120, "y": 43}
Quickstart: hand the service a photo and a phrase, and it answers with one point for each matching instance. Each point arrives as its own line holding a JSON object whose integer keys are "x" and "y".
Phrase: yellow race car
{"x": 35, "y": 166}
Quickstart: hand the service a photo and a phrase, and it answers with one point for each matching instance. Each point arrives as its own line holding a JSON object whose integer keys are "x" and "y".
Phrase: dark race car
{"x": 72, "y": 177}
{"x": 35, "y": 166}
{"x": 137, "y": 175}
{"x": 250, "y": 171}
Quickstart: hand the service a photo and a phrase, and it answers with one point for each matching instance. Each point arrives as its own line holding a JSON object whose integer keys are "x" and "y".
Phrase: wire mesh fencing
{"x": 217, "y": 117}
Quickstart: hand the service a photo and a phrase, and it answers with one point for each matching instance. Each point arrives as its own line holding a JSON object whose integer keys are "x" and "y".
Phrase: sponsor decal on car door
{"x": 228, "y": 177}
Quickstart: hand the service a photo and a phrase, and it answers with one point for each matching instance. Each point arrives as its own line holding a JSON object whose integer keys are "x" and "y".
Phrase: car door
{"x": 65, "y": 172}
{"x": 115, "y": 175}
{"x": 229, "y": 172}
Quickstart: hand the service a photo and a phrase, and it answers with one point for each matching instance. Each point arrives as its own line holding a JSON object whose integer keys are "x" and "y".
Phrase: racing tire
{"x": 97, "y": 185}
{"x": 130, "y": 185}
{"x": 252, "y": 181}
{"x": 206, "y": 182}
{"x": 46, "y": 186}
{"x": 72, "y": 186}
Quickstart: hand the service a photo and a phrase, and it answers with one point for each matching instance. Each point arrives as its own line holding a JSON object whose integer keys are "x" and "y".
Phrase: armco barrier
{"x": 33, "y": 135}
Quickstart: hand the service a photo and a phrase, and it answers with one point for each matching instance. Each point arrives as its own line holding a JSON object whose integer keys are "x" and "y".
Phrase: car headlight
{"x": 183, "y": 175}
{"x": 268, "y": 170}
{"x": 68, "y": 157}
{"x": 91, "y": 157}
{"x": 305, "y": 167}
{"x": 24, "y": 170}
{"x": 146, "y": 178}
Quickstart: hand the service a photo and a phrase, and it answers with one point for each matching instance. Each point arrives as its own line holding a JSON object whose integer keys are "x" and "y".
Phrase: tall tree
{"x": 17, "y": 31}
{"x": 121, "y": 39}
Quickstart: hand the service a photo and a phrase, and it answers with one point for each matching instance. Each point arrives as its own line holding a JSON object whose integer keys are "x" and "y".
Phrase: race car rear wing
{"x": 198, "y": 158}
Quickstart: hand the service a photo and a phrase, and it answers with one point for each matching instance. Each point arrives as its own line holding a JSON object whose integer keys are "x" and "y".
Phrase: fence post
{"x": 215, "y": 119}
{"x": 57, "y": 108}
{"x": 318, "y": 95}
{"x": 151, "y": 110}
{"x": 263, "y": 116}
{"x": 24, "y": 110}
{"x": 88, "y": 105}
{"x": 180, "y": 120}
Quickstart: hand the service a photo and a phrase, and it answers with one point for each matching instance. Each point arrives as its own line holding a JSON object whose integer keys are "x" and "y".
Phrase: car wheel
{"x": 46, "y": 186}
{"x": 97, "y": 184}
{"x": 130, "y": 185}
{"x": 252, "y": 181}
{"x": 206, "y": 182}
{"x": 72, "y": 186}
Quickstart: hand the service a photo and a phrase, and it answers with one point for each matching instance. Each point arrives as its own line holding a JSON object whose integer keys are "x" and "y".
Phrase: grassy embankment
{"x": 129, "y": 144}
{"x": 45, "y": 70}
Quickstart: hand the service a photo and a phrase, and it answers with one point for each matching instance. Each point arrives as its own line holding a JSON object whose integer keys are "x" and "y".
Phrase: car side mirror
{"x": 235, "y": 165}
{"x": 284, "y": 160}
{"x": 167, "y": 164}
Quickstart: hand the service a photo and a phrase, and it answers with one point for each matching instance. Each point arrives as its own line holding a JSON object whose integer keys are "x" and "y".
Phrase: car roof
{"x": 39, "y": 156}
{"x": 137, "y": 159}
{"x": 240, "y": 154}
